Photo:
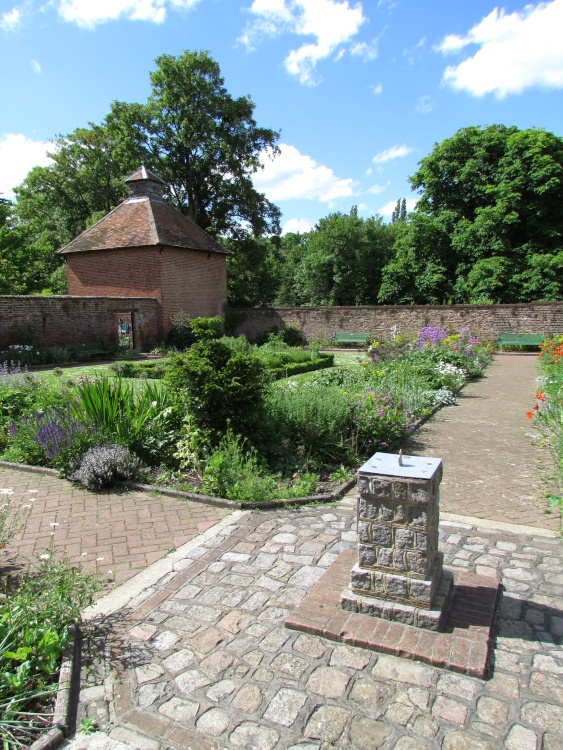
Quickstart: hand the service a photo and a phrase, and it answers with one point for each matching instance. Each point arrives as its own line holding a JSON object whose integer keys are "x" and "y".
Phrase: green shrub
{"x": 233, "y": 471}
{"x": 297, "y": 368}
{"x": 205, "y": 329}
{"x": 187, "y": 331}
{"x": 218, "y": 385}
{"x": 291, "y": 335}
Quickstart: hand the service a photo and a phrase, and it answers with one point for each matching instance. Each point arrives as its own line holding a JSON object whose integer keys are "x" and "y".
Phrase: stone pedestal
{"x": 399, "y": 575}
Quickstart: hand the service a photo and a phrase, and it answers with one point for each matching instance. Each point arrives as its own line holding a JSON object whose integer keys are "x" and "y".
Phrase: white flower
{"x": 26, "y": 506}
{"x": 6, "y": 491}
{"x": 84, "y": 553}
{"x": 32, "y": 491}
{"x": 153, "y": 404}
{"x": 99, "y": 559}
{"x": 44, "y": 556}
{"x": 54, "y": 524}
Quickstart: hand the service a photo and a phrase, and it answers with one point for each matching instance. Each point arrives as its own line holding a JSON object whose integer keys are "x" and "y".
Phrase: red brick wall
{"x": 67, "y": 320}
{"x": 195, "y": 282}
{"x": 188, "y": 280}
{"x": 485, "y": 320}
{"x": 130, "y": 272}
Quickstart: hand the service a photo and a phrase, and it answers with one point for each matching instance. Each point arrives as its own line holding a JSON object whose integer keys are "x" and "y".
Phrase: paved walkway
{"x": 493, "y": 468}
{"x": 201, "y": 659}
{"x": 191, "y": 652}
{"x": 120, "y": 534}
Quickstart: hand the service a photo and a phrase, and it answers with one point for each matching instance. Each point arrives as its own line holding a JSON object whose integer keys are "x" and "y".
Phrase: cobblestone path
{"x": 492, "y": 467}
{"x": 120, "y": 534}
{"x": 201, "y": 660}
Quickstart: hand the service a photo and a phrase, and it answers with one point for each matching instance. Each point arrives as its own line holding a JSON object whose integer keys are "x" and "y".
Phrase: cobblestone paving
{"x": 120, "y": 534}
{"x": 202, "y": 659}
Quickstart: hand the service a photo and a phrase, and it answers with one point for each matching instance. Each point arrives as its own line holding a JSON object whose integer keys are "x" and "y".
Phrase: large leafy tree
{"x": 25, "y": 266}
{"x": 338, "y": 263}
{"x": 489, "y": 218}
{"x": 204, "y": 143}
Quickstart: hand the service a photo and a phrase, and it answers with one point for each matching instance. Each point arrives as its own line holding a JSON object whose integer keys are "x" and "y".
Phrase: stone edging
{"x": 62, "y": 715}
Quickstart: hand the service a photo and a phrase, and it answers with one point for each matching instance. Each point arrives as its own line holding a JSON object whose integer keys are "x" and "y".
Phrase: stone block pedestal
{"x": 399, "y": 575}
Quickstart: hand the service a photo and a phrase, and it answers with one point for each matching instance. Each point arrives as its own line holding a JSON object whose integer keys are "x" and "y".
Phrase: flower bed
{"x": 217, "y": 422}
{"x": 547, "y": 412}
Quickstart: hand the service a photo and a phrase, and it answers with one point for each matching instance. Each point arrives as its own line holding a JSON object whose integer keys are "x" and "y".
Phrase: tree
{"x": 253, "y": 270}
{"x": 338, "y": 263}
{"x": 495, "y": 193}
{"x": 203, "y": 142}
{"x": 25, "y": 266}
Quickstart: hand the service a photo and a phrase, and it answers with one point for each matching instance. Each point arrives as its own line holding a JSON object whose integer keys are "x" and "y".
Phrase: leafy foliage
{"x": 218, "y": 385}
{"x": 487, "y": 221}
{"x": 34, "y": 630}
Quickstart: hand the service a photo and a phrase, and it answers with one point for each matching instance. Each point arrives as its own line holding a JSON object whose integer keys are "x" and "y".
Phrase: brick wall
{"x": 129, "y": 272}
{"x": 195, "y": 282}
{"x": 66, "y": 320}
{"x": 485, "y": 320}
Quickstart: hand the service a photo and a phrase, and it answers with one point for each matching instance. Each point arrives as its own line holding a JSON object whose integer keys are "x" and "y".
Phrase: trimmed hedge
{"x": 296, "y": 368}
{"x": 155, "y": 369}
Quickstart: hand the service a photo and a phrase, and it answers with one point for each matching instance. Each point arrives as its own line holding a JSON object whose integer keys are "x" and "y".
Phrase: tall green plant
{"x": 120, "y": 411}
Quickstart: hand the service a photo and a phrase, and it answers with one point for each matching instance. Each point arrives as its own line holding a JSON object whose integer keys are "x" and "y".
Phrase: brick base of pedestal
{"x": 431, "y": 618}
{"x": 463, "y": 646}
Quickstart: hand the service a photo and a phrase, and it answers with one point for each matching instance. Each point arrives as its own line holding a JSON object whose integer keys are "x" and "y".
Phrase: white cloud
{"x": 35, "y": 66}
{"x": 297, "y": 225}
{"x": 89, "y": 14}
{"x": 377, "y": 89}
{"x": 394, "y": 152}
{"x": 365, "y": 51}
{"x": 412, "y": 54}
{"x": 332, "y": 23}
{"x": 424, "y": 105}
{"x": 376, "y": 189}
{"x": 18, "y": 155}
{"x": 293, "y": 175}
{"x": 10, "y": 19}
{"x": 516, "y": 51}
{"x": 388, "y": 208}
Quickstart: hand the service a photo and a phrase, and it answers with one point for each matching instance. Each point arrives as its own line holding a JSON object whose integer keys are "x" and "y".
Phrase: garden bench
{"x": 84, "y": 351}
{"x": 520, "y": 339}
{"x": 350, "y": 338}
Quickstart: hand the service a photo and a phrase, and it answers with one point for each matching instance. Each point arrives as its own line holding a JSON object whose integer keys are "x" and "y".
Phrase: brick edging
{"x": 62, "y": 716}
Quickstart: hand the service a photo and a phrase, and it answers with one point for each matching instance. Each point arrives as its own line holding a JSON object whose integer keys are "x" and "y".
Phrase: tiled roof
{"x": 144, "y": 174}
{"x": 143, "y": 221}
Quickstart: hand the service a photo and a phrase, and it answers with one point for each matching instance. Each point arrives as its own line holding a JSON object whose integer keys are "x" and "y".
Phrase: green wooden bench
{"x": 350, "y": 338}
{"x": 520, "y": 339}
{"x": 85, "y": 351}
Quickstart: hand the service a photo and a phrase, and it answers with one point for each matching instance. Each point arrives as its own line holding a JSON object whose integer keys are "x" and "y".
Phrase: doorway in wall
{"x": 125, "y": 337}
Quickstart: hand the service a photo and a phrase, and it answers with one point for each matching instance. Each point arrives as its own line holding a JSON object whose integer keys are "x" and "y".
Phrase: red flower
{"x": 529, "y": 414}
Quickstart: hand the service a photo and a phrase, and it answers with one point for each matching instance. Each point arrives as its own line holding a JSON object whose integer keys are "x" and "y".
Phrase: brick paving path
{"x": 492, "y": 467}
{"x": 202, "y": 659}
{"x": 121, "y": 533}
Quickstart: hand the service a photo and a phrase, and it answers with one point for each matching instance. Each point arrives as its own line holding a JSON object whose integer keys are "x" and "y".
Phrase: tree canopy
{"x": 488, "y": 226}
{"x": 204, "y": 143}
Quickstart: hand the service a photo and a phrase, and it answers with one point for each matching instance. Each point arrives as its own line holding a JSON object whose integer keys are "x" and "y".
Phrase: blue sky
{"x": 360, "y": 90}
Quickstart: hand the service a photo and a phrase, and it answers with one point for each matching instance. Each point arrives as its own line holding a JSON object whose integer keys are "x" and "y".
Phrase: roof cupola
{"x": 145, "y": 184}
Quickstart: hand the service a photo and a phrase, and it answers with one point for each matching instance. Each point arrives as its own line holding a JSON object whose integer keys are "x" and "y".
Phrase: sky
{"x": 360, "y": 91}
